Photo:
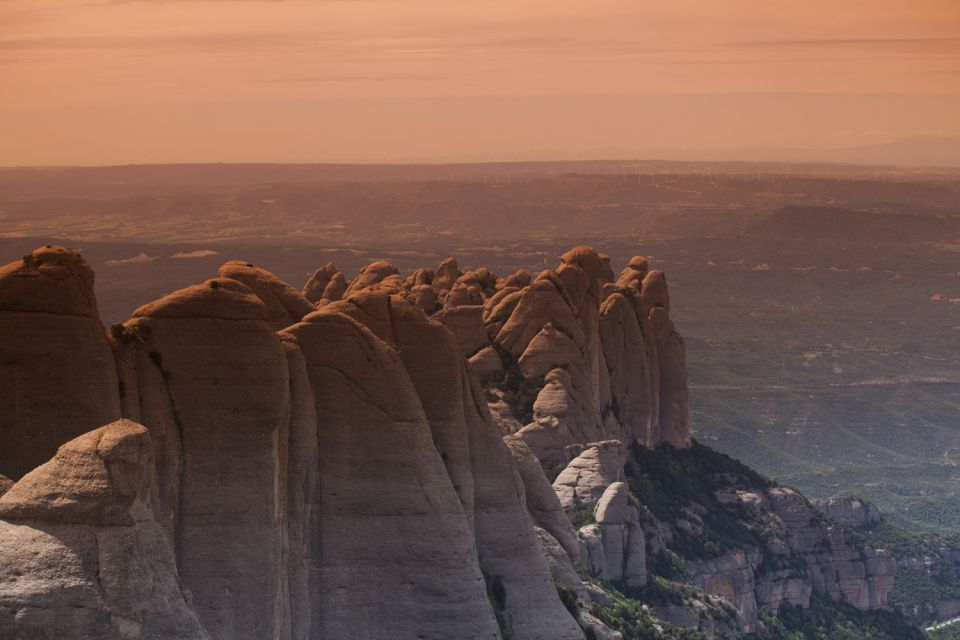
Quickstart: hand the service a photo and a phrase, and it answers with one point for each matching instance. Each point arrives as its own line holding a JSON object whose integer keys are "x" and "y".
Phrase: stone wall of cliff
{"x": 363, "y": 459}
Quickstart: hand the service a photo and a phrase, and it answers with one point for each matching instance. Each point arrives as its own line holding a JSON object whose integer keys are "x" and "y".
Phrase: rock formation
{"x": 56, "y": 368}
{"x": 585, "y": 478}
{"x": 388, "y": 543}
{"x": 315, "y": 286}
{"x": 361, "y": 459}
{"x": 852, "y": 512}
{"x": 373, "y": 273}
{"x": 836, "y": 566}
{"x": 204, "y": 370}
{"x": 476, "y": 460}
{"x": 305, "y": 481}
{"x": 285, "y": 305}
{"x": 615, "y": 547}
{"x": 81, "y": 553}
{"x": 603, "y": 356}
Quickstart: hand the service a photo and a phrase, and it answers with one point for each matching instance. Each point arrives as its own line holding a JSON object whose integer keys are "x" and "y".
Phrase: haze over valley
{"x": 821, "y": 303}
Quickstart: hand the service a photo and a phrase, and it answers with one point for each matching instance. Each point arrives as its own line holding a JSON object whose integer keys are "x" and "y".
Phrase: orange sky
{"x": 116, "y": 81}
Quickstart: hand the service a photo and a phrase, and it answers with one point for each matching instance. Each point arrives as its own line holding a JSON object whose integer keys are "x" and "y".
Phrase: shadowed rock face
{"x": 542, "y": 500}
{"x": 490, "y": 488}
{"x": 317, "y": 283}
{"x": 207, "y": 374}
{"x": 57, "y": 379}
{"x": 390, "y": 544}
{"x": 81, "y": 553}
{"x": 606, "y": 371}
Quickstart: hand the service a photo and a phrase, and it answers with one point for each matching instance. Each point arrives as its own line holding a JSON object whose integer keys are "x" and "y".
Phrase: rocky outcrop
{"x": 938, "y": 564}
{"x": 445, "y": 276}
{"x": 466, "y": 324}
{"x": 389, "y": 540}
{"x": 631, "y": 411}
{"x": 208, "y": 376}
{"x": 585, "y": 478}
{"x": 489, "y": 485}
{"x": 541, "y": 499}
{"x": 612, "y": 365}
{"x": 485, "y": 362}
{"x": 614, "y": 548}
{"x": 317, "y": 283}
{"x": 327, "y": 463}
{"x": 864, "y": 578}
{"x": 732, "y": 577}
{"x": 373, "y": 273}
{"x": 284, "y": 304}
{"x": 81, "y": 553}
{"x": 852, "y": 512}
{"x": 56, "y": 367}
{"x": 334, "y": 290}
{"x": 802, "y": 553}
{"x": 673, "y": 419}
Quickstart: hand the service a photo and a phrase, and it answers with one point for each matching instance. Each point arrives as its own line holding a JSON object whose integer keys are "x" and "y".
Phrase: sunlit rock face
{"x": 82, "y": 554}
{"x": 284, "y": 304}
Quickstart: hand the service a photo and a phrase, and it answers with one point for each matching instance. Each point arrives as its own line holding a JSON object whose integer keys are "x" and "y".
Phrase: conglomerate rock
{"x": 585, "y": 478}
{"x": 347, "y": 476}
{"x": 477, "y": 461}
{"x": 391, "y": 550}
{"x": 317, "y": 283}
{"x": 81, "y": 554}
{"x": 285, "y": 305}
{"x": 207, "y": 375}
{"x": 614, "y": 549}
{"x": 57, "y": 378}
{"x": 852, "y": 512}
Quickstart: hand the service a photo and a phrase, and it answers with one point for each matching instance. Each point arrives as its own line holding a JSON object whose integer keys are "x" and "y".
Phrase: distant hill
{"x": 917, "y": 151}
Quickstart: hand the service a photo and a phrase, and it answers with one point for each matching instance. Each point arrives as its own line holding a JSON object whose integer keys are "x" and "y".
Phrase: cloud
{"x": 183, "y": 41}
{"x": 101, "y": 2}
{"x": 374, "y": 77}
{"x": 940, "y": 43}
{"x": 483, "y": 42}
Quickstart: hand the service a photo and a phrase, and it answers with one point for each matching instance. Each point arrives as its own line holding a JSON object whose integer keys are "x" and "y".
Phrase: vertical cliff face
{"x": 349, "y": 467}
{"x": 56, "y": 376}
{"x": 389, "y": 547}
{"x": 475, "y": 459}
{"x": 367, "y": 460}
{"x": 210, "y": 378}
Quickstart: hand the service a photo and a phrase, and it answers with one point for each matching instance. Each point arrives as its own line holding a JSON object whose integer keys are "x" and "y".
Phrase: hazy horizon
{"x": 95, "y": 82}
